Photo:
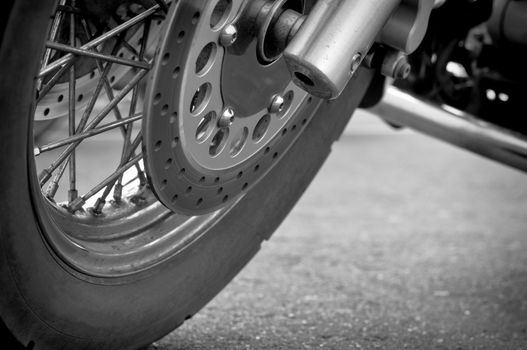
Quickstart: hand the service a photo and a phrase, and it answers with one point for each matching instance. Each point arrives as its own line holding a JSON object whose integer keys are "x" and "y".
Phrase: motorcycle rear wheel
{"x": 48, "y": 303}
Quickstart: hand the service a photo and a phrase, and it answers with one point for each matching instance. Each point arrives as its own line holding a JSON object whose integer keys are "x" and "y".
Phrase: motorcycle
{"x": 225, "y": 110}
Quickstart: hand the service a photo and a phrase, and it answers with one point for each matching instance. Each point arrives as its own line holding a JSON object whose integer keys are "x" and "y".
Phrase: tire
{"x": 46, "y": 304}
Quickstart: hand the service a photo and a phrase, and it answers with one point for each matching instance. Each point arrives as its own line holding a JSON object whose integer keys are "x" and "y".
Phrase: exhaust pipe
{"x": 455, "y": 127}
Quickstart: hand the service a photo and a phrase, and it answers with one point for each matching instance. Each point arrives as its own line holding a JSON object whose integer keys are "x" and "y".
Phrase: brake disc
{"x": 216, "y": 120}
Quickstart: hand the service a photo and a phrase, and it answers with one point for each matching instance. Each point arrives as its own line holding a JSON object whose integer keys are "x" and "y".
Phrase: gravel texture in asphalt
{"x": 401, "y": 242}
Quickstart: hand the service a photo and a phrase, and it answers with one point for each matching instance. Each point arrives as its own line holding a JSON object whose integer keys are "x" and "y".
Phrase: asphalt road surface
{"x": 401, "y": 242}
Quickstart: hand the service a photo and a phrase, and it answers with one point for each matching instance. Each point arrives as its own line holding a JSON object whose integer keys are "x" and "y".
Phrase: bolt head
{"x": 228, "y": 35}
{"x": 355, "y": 62}
{"x": 227, "y": 118}
{"x": 403, "y": 70}
{"x": 277, "y": 104}
{"x": 395, "y": 65}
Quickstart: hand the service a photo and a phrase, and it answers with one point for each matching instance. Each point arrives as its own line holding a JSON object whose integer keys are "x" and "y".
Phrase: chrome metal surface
{"x": 228, "y": 35}
{"x": 407, "y": 26}
{"x": 227, "y": 118}
{"x": 323, "y": 51}
{"x": 356, "y": 60}
{"x": 87, "y": 53}
{"x": 277, "y": 104}
{"x": 86, "y": 134}
{"x": 395, "y": 65}
{"x": 455, "y": 127}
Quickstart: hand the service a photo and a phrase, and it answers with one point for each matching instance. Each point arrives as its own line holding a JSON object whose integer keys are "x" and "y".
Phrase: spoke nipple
{"x": 73, "y": 194}
{"x": 99, "y": 205}
{"x": 52, "y": 190}
{"x": 138, "y": 200}
{"x": 36, "y": 151}
{"x": 77, "y": 204}
{"x": 227, "y": 118}
{"x": 277, "y": 104}
{"x": 228, "y": 35}
{"x": 142, "y": 178}
{"x": 44, "y": 176}
{"x": 118, "y": 193}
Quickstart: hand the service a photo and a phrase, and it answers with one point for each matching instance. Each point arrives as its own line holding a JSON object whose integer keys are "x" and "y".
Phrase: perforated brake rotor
{"x": 196, "y": 159}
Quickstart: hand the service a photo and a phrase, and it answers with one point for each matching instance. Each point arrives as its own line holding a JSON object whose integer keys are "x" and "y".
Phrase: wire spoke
{"x": 72, "y": 193}
{"x": 126, "y": 163}
{"x": 107, "y": 87}
{"x": 53, "y": 187}
{"x": 54, "y": 80}
{"x": 54, "y": 184}
{"x": 97, "y": 55}
{"x": 135, "y": 93}
{"x": 101, "y": 201}
{"x": 163, "y": 5}
{"x": 80, "y": 201}
{"x": 84, "y": 135}
{"x": 100, "y": 85}
{"x": 57, "y": 21}
{"x": 117, "y": 195}
{"x": 47, "y": 173}
{"x": 90, "y": 124}
{"x": 130, "y": 48}
{"x": 99, "y": 40}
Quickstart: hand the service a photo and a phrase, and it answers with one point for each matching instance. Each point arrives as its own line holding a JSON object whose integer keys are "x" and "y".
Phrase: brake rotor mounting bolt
{"x": 227, "y": 118}
{"x": 228, "y": 35}
{"x": 76, "y": 204}
{"x": 277, "y": 104}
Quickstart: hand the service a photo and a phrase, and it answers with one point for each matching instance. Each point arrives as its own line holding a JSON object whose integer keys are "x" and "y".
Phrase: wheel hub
{"x": 213, "y": 127}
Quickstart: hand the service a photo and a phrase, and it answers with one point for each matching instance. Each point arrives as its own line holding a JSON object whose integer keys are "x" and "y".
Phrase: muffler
{"x": 455, "y": 127}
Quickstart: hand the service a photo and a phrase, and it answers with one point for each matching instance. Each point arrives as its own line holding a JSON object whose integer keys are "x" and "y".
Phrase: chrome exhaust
{"x": 455, "y": 127}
